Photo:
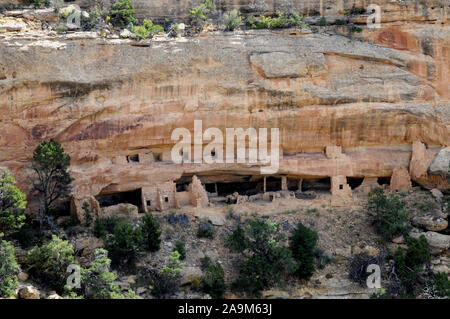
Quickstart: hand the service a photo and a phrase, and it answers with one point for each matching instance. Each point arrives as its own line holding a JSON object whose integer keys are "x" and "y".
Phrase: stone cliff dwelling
{"x": 215, "y": 185}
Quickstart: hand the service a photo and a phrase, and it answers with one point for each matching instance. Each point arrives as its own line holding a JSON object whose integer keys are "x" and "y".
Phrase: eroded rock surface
{"x": 383, "y": 100}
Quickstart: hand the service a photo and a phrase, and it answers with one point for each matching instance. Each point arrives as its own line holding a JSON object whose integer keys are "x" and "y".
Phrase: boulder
{"x": 54, "y": 296}
{"x": 441, "y": 162}
{"x": 23, "y": 276}
{"x": 189, "y": 274}
{"x": 434, "y": 220}
{"x": 437, "y": 194}
{"x": 47, "y": 14}
{"x": 440, "y": 268}
{"x": 122, "y": 209}
{"x": 125, "y": 33}
{"x": 216, "y": 218}
{"x": 438, "y": 242}
{"x": 87, "y": 245}
{"x": 123, "y": 285}
{"x": 371, "y": 251}
{"x": 76, "y": 208}
{"x": 29, "y": 292}
{"x": 398, "y": 240}
{"x": 10, "y": 25}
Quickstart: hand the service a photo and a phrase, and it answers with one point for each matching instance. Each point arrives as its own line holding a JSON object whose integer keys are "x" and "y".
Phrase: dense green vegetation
{"x": 52, "y": 178}
{"x": 9, "y": 268}
{"x": 391, "y": 218}
{"x": 49, "y": 262}
{"x": 151, "y": 232}
{"x": 167, "y": 281}
{"x": 266, "y": 262}
{"x": 122, "y": 14}
{"x": 303, "y": 244}
{"x": 213, "y": 282}
{"x": 12, "y": 203}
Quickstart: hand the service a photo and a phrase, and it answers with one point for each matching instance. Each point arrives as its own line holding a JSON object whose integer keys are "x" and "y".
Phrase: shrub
{"x": 124, "y": 244}
{"x": 322, "y": 22}
{"x": 151, "y": 232}
{"x": 358, "y": 267}
{"x": 232, "y": 20}
{"x": 203, "y": 9}
{"x": 213, "y": 282}
{"x": 96, "y": 19}
{"x": 261, "y": 22}
{"x": 105, "y": 225}
{"x": 265, "y": 260}
{"x": 27, "y": 236}
{"x": 205, "y": 230}
{"x": 147, "y": 30}
{"x": 409, "y": 265}
{"x": 12, "y": 203}
{"x": 356, "y": 29}
{"x": 322, "y": 258}
{"x": 205, "y": 262}
{"x": 61, "y": 28}
{"x": 8, "y": 269}
{"x": 179, "y": 247}
{"x": 391, "y": 217}
{"x": 41, "y": 3}
{"x": 280, "y": 20}
{"x": 236, "y": 241}
{"x": 51, "y": 260}
{"x": 88, "y": 218}
{"x": 122, "y": 13}
{"x": 441, "y": 284}
{"x": 302, "y": 245}
{"x": 98, "y": 281}
{"x": 167, "y": 282}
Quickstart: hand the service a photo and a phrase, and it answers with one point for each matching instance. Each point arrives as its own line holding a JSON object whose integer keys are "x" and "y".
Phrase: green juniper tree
{"x": 12, "y": 203}
{"x": 52, "y": 181}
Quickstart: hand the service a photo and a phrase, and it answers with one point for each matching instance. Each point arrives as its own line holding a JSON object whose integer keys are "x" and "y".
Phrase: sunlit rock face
{"x": 382, "y": 98}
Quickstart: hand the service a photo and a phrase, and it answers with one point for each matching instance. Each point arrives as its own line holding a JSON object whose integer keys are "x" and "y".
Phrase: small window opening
{"x": 133, "y": 158}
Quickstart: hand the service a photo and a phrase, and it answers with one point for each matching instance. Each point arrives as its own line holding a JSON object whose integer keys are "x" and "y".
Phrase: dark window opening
{"x": 242, "y": 188}
{"x": 415, "y": 184}
{"x": 210, "y": 188}
{"x": 158, "y": 157}
{"x": 182, "y": 187}
{"x": 354, "y": 182}
{"x": 341, "y": 186}
{"x": 273, "y": 184}
{"x": 384, "y": 180}
{"x": 149, "y": 203}
{"x": 166, "y": 199}
{"x": 321, "y": 184}
{"x": 213, "y": 154}
{"x": 133, "y": 158}
{"x": 132, "y": 197}
{"x": 293, "y": 185}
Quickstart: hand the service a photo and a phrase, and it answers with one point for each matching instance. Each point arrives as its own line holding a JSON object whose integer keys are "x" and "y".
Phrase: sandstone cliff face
{"x": 109, "y": 99}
